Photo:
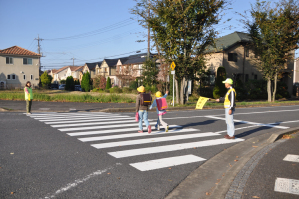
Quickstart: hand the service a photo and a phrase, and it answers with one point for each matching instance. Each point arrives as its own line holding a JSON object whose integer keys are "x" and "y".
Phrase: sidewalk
{"x": 225, "y": 175}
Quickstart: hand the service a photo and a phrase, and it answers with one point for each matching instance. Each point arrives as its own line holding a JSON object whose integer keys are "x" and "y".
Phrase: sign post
{"x": 173, "y": 73}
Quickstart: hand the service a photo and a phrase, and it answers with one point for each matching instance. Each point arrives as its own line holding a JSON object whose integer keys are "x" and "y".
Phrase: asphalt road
{"x": 63, "y": 159}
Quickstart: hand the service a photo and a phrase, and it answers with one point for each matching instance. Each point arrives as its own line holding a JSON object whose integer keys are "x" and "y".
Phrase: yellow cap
{"x": 158, "y": 94}
{"x": 228, "y": 80}
{"x": 141, "y": 89}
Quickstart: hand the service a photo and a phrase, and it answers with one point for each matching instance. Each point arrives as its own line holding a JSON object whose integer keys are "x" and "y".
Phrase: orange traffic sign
{"x": 172, "y": 65}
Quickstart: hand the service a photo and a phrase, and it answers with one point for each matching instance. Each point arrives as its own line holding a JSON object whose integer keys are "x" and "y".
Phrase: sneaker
{"x": 140, "y": 131}
{"x": 228, "y": 137}
{"x": 28, "y": 113}
{"x": 149, "y": 129}
{"x": 166, "y": 130}
{"x": 158, "y": 128}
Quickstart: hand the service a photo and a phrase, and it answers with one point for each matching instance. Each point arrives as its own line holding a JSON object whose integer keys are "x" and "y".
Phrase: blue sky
{"x": 87, "y": 31}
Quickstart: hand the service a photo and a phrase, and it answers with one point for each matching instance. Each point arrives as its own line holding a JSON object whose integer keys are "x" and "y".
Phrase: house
{"x": 92, "y": 68}
{"x": 60, "y": 74}
{"x": 130, "y": 68}
{"x": 108, "y": 69}
{"x": 233, "y": 52}
{"x": 17, "y": 66}
{"x": 74, "y": 71}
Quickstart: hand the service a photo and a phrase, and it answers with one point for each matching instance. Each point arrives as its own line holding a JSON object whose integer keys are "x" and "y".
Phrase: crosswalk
{"x": 113, "y": 132}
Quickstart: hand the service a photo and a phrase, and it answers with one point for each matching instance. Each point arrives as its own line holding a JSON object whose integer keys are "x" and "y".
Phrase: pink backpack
{"x": 161, "y": 104}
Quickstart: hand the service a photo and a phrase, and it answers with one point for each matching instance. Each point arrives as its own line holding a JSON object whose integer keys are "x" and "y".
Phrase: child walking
{"x": 160, "y": 112}
{"x": 28, "y": 96}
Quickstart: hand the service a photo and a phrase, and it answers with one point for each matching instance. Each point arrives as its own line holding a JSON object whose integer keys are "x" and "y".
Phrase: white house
{"x": 17, "y": 66}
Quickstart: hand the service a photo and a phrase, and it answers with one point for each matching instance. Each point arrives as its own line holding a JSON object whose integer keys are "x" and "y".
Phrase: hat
{"x": 158, "y": 94}
{"x": 228, "y": 80}
{"x": 141, "y": 89}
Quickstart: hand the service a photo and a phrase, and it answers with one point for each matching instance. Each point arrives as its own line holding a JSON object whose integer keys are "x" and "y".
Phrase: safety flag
{"x": 201, "y": 102}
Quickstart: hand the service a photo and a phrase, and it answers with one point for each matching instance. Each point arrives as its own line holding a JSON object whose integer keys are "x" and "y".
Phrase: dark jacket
{"x": 231, "y": 98}
{"x": 138, "y": 106}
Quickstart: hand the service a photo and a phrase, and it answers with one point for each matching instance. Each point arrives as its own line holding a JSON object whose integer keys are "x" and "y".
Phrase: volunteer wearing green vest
{"x": 28, "y": 97}
{"x": 229, "y": 105}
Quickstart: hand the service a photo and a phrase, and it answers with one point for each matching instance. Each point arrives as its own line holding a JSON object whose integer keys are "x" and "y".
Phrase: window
{"x": 9, "y": 60}
{"x": 246, "y": 77}
{"x": 27, "y": 61}
{"x": 31, "y": 77}
{"x": 24, "y": 77}
{"x": 8, "y": 76}
{"x": 232, "y": 57}
{"x": 247, "y": 52}
{"x": 13, "y": 76}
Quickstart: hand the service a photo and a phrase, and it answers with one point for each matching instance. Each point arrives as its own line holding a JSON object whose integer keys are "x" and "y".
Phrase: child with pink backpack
{"x": 161, "y": 104}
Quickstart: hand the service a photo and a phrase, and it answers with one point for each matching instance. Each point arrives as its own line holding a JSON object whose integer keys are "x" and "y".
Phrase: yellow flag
{"x": 201, "y": 102}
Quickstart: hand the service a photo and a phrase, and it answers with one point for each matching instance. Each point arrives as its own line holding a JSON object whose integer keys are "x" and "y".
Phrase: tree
{"x": 275, "y": 33}
{"x": 70, "y": 84}
{"x": 85, "y": 83}
{"x": 150, "y": 72}
{"x": 102, "y": 83}
{"x": 219, "y": 89}
{"x": 182, "y": 30}
{"x": 45, "y": 79}
{"x": 108, "y": 83}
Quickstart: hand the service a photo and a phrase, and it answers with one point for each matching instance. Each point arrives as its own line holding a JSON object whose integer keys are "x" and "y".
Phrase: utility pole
{"x": 73, "y": 60}
{"x": 38, "y": 45}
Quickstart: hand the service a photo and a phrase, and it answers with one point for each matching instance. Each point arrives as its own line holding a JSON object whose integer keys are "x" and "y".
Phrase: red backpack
{"x": 161, "y": 104}
{"x": 145, "y": 99}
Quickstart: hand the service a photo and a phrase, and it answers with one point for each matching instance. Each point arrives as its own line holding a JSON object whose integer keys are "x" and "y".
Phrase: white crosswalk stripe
{"x": 114, "y": 127}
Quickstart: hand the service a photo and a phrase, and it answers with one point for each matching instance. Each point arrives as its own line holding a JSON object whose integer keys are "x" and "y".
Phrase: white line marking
{"x": 69, "y": 114}
{"x": 166, "y": 162}
{"x": 95, "y": 123}
{"x": 53, "y": 119}
{"x": 115, "y": 131}
{"x": 152, "y": 140}
{"x": 88, "y": 120}
{"x": 291, "y": 158}
{"x": 285, "y": 122}
{"x": 111, "y": 137}
{"x": 245, "y": 122}
{"x": 287, "y": 186}
{"x": 79, "y": 181}
{"x": 102, "y": 127}
{"x": 174, "y": 147}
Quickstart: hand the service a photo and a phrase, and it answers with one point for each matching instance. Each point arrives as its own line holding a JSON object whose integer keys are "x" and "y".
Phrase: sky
{"x": 79, "y": 32}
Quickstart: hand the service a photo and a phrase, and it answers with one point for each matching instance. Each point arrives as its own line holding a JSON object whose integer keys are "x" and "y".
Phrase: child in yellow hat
{"x": 142, "y": 111}
{"x": 161, "y": 112}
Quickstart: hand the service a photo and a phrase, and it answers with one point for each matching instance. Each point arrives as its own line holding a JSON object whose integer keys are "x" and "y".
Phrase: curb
{"x": 214, "y": 178}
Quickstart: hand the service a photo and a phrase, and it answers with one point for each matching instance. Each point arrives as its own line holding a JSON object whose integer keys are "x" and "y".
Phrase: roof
{"x": 111, "y": 62}
{"x": 61, "y": 69}
{"x": 136, "y": 59}
{"x": 54, "y": 70}
{"x": 16, "y": 50}
{"x": 79, "y": 68}
{"x": 226, "y": 42}
{"x": 91, "y": 66}
{"x": 75, "y": 68}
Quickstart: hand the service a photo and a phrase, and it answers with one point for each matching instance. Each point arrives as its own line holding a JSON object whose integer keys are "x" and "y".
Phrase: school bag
{"x": 145, "y": 99}
{"x": 161, "y": 104}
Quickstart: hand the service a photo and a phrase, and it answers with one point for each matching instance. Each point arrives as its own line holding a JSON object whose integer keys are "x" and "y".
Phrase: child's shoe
{"x": 149, "y": 129}
{"x": 140, "y": 131}
{"x": 166, "y": 130}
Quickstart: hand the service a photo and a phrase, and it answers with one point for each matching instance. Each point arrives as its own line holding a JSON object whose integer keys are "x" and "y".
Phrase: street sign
{"x": 172, "y": 65}
{"x": 173, "y": 72}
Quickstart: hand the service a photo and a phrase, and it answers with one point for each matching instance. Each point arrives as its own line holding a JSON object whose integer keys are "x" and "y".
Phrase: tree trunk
{"x": 275, "y": 87}
{"x": 177, "y": 91}
{"x": 182, "y": 100}
{"x": 269, "y": 89}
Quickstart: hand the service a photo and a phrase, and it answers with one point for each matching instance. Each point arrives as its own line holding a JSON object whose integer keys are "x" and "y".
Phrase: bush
{"x": 108, "y": 83}
{"x": 85, "y": 83}
{"x": 115, "y": 90}
{"x": 219, "y": 89}
{"x": 70, "y": 84}
{"x": 153, "y": 89}
{"x": 282, "y": 90}
{"x": 95, "y": 89}
{"x": 102, "y": 83}
{"x": 133, "y": 85}
{"x": 127, "y": 90}
{"x": 107, "y": 91}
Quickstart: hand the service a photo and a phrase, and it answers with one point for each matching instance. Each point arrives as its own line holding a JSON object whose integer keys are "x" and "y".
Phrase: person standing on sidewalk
{"x": 28, "y": 96}
{"x": 161, "y": 112}
{"x": 142, "y": 111}
{"x": 229, "y": 105}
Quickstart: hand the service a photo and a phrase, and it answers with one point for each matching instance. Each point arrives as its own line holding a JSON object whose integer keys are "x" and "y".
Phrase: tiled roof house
{"x": 17, "y": 66}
